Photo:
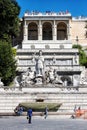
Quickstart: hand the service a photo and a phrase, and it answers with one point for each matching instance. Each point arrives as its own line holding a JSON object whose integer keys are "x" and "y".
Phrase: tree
{"x": 82, "y": 55}
{"x": 9, "y": 28}
{"x": 9, "y": 21}
{"x": 7, "y": 63}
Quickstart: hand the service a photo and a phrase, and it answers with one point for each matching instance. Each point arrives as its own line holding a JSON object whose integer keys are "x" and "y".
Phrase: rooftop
{"x": 50, "y": 13}
{"x": 47, "y": 13}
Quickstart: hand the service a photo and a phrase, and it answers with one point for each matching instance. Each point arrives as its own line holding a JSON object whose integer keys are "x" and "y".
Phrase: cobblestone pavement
{"x": 21, "y": 123}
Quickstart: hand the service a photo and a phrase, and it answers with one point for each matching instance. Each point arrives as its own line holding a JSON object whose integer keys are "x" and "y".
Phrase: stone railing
{"x": 58, "y": 68}
{"x": 79, "y": 18}
{"x": 61, "y": 44}
{"x": 47, "y": 13}
{"x": 69, "y": 68}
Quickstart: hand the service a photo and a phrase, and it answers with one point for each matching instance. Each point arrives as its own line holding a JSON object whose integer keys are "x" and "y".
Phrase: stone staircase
{"x": 69, "y": 101}
{"x": 9, "y": 99}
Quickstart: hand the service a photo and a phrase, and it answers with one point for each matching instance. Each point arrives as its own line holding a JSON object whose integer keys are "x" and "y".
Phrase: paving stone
{"x": 39, "y": 123}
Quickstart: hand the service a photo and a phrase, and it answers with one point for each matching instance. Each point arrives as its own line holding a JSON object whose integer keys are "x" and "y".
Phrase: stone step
{"x": 71, "y": 108}
{"x": 8, "y": 100}
{"x": 38, "y": 114}
{"x": 53, "y": 95}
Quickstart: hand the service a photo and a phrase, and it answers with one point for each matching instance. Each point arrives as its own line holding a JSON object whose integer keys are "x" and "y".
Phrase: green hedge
{"x": 40, "y": 106}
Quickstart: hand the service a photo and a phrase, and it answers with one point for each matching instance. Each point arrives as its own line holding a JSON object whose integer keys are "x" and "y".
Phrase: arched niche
{"x": 67, "y": 80}
{"x": 61, "y": 31}
{"x": 32, "y": 31}
{"x": 47, "y": 31}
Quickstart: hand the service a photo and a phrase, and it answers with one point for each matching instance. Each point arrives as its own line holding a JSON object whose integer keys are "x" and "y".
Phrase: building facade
{"x": 53, "y": 34}
{"x": 55, "y": 28}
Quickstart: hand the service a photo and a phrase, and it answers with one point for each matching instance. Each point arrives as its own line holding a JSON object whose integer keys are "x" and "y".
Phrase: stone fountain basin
{"x": 40, "y": 106}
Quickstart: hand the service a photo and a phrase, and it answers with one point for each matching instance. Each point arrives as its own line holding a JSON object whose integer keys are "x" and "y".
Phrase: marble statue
{"x": 51, "y": 74}
{"x": 33, "y": 58}
{"x": 83, "y": 77}
{"x": 28, "y": 77}
{"x": 76, "y": 59}
{"x": 57, "y": 79}
{"x": 16, "y": 82}
{"x": 1, "y": 83}
{"x": 24, "y": 75}
{"x": 40, "y": 64}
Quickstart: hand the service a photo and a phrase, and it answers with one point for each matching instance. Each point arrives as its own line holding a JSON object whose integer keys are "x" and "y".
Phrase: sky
{"x": 75, "y": 7}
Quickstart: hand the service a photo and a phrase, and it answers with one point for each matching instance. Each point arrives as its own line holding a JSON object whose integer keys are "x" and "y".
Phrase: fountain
{"x": 41, "y": 75}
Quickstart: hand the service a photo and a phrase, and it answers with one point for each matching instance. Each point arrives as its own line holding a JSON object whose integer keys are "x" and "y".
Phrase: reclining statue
{"x": 28, "y": 77}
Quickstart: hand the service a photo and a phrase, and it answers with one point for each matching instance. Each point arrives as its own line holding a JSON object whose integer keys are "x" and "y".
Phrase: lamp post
{"x": 76, "y": 59}
{"x": 77, "y": 39}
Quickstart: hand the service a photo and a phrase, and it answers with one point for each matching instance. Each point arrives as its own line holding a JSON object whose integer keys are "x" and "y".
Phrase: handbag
{"x": 27, "y": 117}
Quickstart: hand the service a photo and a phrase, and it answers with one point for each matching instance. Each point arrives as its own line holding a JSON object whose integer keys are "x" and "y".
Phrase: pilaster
{"x": 69, "y": 30}
{"x": 25, "y": 31}
{"x": 40, "y": 30}
{"x": 54, "y": 31}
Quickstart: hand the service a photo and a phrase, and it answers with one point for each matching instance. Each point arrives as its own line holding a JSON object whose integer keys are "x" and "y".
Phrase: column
{"x": 25, "y": 31}
{"x": 40, "y": 30}
{"x": 54, "y": 31}
{"x": 68, "y": 30}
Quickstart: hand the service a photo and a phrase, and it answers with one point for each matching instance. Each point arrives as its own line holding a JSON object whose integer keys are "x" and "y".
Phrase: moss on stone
{"x": 40, "y": 106}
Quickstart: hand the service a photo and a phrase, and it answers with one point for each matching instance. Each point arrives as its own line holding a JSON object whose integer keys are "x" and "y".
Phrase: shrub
{"x": 82, "y": 55}
{"x": 7, "y": 63}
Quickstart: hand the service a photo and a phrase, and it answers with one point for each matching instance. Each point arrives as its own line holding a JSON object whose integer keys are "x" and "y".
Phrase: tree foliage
{"x": 7, "y": 63}
{"x": 9, "y": 28}
{"x": 9, "y": 21}
{"x": 82, "y": 55}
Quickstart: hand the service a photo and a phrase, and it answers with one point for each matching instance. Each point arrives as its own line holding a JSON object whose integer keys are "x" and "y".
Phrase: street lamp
{"x": 77, "y": 39}
{"x": 76, "y": 59}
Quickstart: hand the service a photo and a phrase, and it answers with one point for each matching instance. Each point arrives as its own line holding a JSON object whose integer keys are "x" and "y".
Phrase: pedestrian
{"x": 79, "y": 108}
{"x": 46, "y": 112}
{"x": 78, "y": 112}
{"x": 75, "y": 108}
{"x": 29, "y": 115}
{"x": 20, "y": 110}
{"x": 74, "y": 115}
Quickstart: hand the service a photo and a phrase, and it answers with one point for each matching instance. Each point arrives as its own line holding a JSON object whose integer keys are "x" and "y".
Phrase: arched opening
{"x": 47, "y": 31}
{"x": 67, "y": 79}
{"x": 32, "y": 31}
{"x": 61, "y": 31}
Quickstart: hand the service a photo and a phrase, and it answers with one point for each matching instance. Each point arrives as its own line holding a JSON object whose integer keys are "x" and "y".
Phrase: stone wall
{"x": 78, "y": 29}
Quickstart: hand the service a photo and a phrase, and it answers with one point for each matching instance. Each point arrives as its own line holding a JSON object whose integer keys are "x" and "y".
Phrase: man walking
{"x": 29, "y": 114}
{"x": 46, "y": 112}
